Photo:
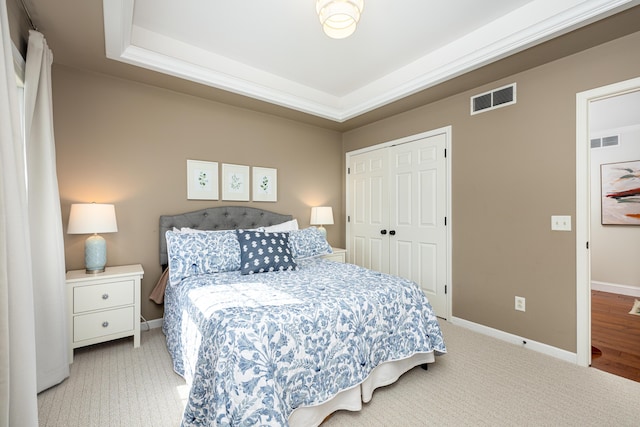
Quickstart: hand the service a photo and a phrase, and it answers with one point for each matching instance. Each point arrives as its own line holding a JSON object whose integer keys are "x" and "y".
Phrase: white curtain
{"x": 18, "y": 401}
{"x": 45, "y": 221}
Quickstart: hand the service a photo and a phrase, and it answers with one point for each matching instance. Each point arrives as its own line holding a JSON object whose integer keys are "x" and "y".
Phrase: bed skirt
{"x": 351, "y": 399}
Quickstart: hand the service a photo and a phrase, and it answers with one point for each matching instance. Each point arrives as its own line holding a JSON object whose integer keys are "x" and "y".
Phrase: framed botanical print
{"x": 202, "y": 180}
{"x": 235, "y": 182}
{"x": 265, "y": 184}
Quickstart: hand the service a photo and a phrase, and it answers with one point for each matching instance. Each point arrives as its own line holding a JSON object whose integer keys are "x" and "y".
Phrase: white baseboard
{"x": 558, "y": 353}
{"x": 615, "y": 288}
{"x": 154, "y": 323}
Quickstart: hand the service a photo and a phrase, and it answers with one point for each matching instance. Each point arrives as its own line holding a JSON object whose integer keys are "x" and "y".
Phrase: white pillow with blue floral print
{"x": 308, "y": 243}
{"x": 263, "y": 252}
{"x": 201, "y": 252}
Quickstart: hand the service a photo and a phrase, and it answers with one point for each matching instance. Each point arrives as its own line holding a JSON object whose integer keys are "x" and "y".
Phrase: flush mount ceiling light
{"x": 339, "y": 17}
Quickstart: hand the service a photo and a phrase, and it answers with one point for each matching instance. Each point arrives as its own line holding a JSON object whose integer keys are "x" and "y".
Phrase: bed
{"x": 288, "y": 346}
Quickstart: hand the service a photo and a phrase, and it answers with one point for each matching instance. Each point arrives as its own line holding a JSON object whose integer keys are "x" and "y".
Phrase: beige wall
{"x": 513, "y": 168}
{"x": 126, "y": 143}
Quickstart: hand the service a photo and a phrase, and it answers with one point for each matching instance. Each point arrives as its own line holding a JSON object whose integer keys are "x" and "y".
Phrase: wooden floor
{"x": 616, "y": 333}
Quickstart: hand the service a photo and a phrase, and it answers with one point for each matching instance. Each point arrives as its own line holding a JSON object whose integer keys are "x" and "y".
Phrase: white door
{"x": 397, "y": 208}
{"x": 369, "y": 210}
{"x": 417, "y": 229}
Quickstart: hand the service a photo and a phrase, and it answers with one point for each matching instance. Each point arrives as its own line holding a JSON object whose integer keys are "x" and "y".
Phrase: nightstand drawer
{"x": 107, "y": 295}
{"x": 93, "y": 325}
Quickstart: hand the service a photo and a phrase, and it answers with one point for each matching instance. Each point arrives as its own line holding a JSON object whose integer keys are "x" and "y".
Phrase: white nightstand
{"x": 103, "y": 306}
{"x": 338, "y": 255}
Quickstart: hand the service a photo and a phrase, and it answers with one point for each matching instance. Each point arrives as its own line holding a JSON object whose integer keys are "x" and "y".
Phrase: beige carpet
{"x": 481, "y": 382}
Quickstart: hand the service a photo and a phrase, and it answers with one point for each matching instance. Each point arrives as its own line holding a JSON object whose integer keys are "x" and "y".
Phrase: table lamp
{"x": 322, "y": 215}
{"x": 93, "y": 218}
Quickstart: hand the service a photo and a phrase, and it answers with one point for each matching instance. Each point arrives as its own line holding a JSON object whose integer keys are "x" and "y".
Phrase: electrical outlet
{"x": 520, "y": 303}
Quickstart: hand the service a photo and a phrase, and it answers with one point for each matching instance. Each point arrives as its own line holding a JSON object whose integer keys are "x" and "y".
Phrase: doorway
{"x": 614, "y": 132}
{"x": 584, "y": 173}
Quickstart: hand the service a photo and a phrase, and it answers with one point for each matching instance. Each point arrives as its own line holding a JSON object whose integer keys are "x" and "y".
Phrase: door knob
{"x": 392, "y": 232}
{"x": 383, "y": 231}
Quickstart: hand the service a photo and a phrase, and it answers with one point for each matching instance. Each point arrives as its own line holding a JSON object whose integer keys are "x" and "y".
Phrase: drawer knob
{"x": 105, "y": 296}
{"x": 105, "y": 324}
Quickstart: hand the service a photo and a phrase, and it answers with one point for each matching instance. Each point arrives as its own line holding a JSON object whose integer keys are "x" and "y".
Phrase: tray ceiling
{"x": 275, "y": 51}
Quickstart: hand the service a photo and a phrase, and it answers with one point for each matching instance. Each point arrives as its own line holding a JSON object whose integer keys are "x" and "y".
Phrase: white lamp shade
{"x": 321, "y": 215}
{"x": 90, "y": 218}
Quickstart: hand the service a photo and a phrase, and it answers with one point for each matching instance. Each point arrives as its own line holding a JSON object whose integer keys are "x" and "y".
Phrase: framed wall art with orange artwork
{"x": 620, "y": 193}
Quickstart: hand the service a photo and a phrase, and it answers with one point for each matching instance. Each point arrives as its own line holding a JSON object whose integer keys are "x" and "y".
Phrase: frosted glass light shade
{"x": 339, "y": 18}
{"x": 93, "y": 218}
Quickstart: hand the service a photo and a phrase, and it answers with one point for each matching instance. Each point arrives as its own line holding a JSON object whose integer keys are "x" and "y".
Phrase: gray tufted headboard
{"x": 218, "y": 218}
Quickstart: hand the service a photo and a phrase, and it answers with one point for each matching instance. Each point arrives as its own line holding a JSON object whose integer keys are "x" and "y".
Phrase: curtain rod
{"x": 26, "y": 11}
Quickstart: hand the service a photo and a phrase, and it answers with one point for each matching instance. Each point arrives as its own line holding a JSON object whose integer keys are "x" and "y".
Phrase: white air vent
{"x": 605, "y": 141}
{"x": 493, "y": 99}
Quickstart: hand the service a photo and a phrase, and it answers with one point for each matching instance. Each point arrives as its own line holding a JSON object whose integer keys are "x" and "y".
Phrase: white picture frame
{"x": 265, "y": 184}
{"x": 235, "y": 182}
{"x": 202, "y": 180}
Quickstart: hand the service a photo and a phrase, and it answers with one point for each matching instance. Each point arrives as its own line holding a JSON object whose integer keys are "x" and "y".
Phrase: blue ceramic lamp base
{"x": 95, "y": 254}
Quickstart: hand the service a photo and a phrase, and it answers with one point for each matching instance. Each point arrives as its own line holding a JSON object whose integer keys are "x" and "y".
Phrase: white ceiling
{"x": 275, "y": 50}
{"x": 614, "y": 113}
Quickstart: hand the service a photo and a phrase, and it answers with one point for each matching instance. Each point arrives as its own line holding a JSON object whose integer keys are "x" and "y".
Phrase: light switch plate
{"x": 561, "y": 222}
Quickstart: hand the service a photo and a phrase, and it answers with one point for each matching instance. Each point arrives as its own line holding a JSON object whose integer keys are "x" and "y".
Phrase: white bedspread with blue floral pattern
{"x": 254, "y": 348}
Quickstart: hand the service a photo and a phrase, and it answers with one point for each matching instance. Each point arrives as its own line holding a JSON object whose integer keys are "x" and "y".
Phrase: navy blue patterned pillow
{"x": 262, "y": 252}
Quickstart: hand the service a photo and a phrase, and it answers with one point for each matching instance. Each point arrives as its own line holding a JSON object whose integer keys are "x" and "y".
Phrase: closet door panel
{"x": 418, "y": 208}
{"x": 427, "y": 267}
{"x": 402, "y": 260}
{"x": 369, "y": 200}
